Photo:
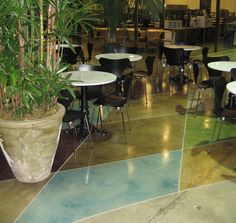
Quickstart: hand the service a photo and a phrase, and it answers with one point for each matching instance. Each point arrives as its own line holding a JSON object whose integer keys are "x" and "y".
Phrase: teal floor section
{"x": 79, "y": 193}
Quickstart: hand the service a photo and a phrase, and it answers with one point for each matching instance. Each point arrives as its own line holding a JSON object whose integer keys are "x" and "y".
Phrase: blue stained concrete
{"x": 79, "y": 193}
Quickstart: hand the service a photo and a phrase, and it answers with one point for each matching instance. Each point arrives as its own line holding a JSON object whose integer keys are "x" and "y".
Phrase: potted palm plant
{"x": 30, "y": 81}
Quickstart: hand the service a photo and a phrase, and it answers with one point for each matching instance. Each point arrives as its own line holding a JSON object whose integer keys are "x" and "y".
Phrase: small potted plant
{"x": 30, "y": 81}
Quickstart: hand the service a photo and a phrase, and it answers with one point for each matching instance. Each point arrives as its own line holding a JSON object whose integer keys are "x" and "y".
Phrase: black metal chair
{"x": 71, "y": 57}
{"x": 175, "y": 58}
{"x": 143, "y": 74}
{"x": 232, "y": 97}
{"x": 222, "y": 114}
{"x": 200, "y": 83}
{"x": 119, "y": 67}
{"x": 72, "y": 117}
{"x": 233, "y": 74}
{"x": 117, "y": 101}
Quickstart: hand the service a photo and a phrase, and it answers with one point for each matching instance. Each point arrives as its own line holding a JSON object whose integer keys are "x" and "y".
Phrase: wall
{"x": 194, "y": 4}
{"x": 176, "y": 2}
{"x": 224, "y": 4}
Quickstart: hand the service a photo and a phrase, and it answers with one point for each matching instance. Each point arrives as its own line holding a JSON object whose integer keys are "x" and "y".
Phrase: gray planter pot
{"x": 30, "y": 146}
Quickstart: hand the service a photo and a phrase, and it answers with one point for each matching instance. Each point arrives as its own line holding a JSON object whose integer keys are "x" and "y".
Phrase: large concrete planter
{"x": 30, "y": 146}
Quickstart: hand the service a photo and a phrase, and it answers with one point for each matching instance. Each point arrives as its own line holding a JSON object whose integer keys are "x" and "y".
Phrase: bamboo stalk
{"x": 41, "y": 31}
{"x": 51, "y": 39}
{"x": 22, "y": 45}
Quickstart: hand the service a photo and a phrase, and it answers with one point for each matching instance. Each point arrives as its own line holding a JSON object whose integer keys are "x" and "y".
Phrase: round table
{"x": 181, "y": 78}
{"x": 91, "y": 78}
{"x": 231, "y": 87}
{"x": 67, "y": 46}
{"x": 116, "y": 56}
{"x": 85, "y": 79}
{"x": 225, "y": 66}
{"x": 182, "y": 46}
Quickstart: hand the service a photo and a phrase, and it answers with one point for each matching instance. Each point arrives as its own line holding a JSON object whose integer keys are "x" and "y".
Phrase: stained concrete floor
{"x": 167, "y": 147}
{"x": 207, "y": 204}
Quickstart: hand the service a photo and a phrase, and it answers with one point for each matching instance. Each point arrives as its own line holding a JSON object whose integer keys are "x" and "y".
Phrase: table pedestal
{"x": 83, "y": 130}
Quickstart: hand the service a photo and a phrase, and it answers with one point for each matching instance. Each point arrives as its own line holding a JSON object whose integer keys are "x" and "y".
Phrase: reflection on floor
{"x": 163, "y": 174}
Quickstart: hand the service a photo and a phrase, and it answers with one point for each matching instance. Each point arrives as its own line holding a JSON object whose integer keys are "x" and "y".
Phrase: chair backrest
{"x": 219, "y": 88}
{"x": 233, "y": 74}
{"x": 212, "y": 72}
{"x": 69, "y": 56}
{"x": 66, "y": 98}
{"x": 174, "y": 57}
{"x": 116, "y": 67}
{"x": 149, "y": 64}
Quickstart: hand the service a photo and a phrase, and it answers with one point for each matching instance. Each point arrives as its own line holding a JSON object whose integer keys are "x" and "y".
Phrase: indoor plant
{"x": 30, "y": 79}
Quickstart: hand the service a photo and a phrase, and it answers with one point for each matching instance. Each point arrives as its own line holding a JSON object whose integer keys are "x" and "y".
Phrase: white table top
{"x": 185, "y": 47}
{"x": 90, "y": 78}
{"x": 231, "y": 86}
{"x": 116, "y": 56}
{"x": 66, "y": 45}
{"x": 225, "y": 66}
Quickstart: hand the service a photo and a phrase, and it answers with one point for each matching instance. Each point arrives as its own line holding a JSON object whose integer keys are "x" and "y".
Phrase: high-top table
{"x": 225, "y": 66}
{"x": 85, "y": 79}
{"x": 63, "y": 45}
{"x": 116, "y": 56}
{"x": 231, "y": 87}
{"x": 182, "y": 46}
{"x": 181, "y": 78}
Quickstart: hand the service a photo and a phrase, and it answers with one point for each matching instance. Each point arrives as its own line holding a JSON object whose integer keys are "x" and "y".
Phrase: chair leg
{"x": 109, "y": 115}
{"x": 198, "y": 98}
{"x": 123, "y": 122}
{"x": 212, "y": 135}
{"x": 192, "y": 98}
{"x": 100, "y": 115}
{"x": 218, "y": 136}
{"x": 145, "y": 89}
{"x": 93, "y": 114}
{"x": 74, "y": 137}
{"x": 128, "y": 117}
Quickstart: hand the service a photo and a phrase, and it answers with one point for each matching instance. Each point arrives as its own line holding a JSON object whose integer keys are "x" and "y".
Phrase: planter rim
{"x": 60, "y": 111}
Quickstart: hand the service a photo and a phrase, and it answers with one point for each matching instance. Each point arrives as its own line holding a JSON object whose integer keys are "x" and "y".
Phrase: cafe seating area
{"x": 169, "y": 165}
